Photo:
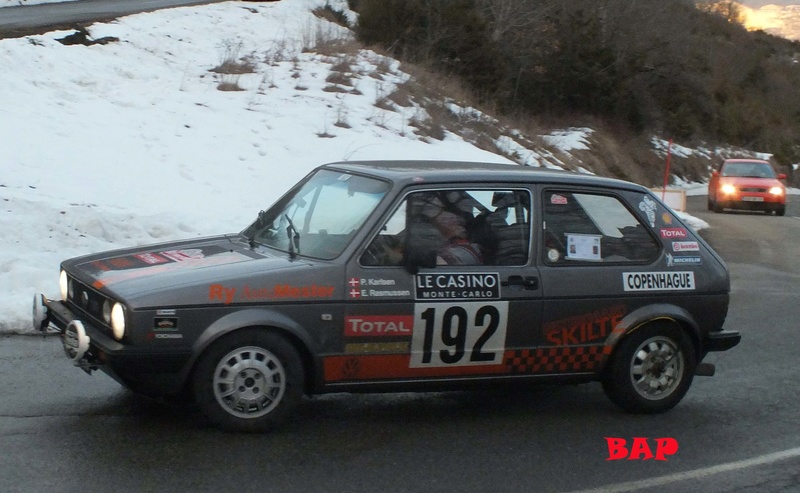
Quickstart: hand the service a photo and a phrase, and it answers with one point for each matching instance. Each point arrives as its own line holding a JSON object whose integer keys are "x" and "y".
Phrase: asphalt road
{"x": 38, "y": 18}
{"x": 63, "y": 431}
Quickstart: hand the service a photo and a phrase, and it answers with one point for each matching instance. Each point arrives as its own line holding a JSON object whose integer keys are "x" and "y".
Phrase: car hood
{"x": 745, "y": 181}
{"x": 180, "y": 272}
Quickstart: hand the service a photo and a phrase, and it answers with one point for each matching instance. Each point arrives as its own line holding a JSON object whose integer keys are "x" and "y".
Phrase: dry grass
{"x": 339, "y": 78}
{"x": 401, "y": 96}
{"x": 426, "y": 126}
{"x": 229, "y": 86}
{"x": 324, "y": 39}
{"x": 231, "y": 62}
{"x": 430, "y": 83}
{"x": 335, "y": 88}
{"x": 341, "y": 118}
{"x": 330, "y": 14}
{"x": 336, "y": 46}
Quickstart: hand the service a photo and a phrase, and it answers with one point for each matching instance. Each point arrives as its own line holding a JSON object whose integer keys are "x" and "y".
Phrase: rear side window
{"x": 593, "y": 228}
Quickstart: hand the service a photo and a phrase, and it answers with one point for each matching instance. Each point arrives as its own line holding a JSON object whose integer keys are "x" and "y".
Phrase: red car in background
{"x": 750, "y": 184}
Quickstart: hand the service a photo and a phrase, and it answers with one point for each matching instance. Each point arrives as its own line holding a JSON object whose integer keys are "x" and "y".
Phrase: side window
{"x": 584, "y": 227}
{"x": 455, "y": 227}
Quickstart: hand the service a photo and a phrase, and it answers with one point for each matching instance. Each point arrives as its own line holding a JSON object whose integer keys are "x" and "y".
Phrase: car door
{"x": 590, "y": 240}
{"x": 424, "y": 304}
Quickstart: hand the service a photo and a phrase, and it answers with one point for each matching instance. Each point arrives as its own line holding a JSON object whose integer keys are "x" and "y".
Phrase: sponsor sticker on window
{"x": 674, "y": 233}
{"x": 685, "y": 246}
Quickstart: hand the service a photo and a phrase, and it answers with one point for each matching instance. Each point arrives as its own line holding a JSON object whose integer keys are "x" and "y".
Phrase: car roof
{"x": 445, "y": 172}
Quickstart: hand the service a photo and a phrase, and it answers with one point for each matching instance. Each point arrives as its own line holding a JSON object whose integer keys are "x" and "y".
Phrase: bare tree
{"x": 728, "y": 9}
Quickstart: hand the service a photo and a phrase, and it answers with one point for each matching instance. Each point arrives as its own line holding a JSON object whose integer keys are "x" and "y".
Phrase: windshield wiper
{"x": 294, "y": 239}
{"x": 261, "y": 221}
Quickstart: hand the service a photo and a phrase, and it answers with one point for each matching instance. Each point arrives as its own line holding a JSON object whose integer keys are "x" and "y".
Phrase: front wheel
{"x": 250, "y": 380}
{"x": 651, "y": 369}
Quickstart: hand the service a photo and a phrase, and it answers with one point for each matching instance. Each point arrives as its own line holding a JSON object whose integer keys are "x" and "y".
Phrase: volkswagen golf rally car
{"x": 398, "y": 276}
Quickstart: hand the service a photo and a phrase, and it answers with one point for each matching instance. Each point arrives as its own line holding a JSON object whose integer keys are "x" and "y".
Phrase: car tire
{"x": 716, "y": 207}
{"x": 249, "y": 381}
{"x": 710, "y": 204}
{"x": 780, "y": 211}
{"x": 651, "y": 369}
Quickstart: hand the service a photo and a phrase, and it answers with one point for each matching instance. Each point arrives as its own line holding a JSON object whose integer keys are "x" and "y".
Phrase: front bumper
{"x": 722, "y": 340}
{"x": 150, "y": 371}
{"x": 763, "y": 202}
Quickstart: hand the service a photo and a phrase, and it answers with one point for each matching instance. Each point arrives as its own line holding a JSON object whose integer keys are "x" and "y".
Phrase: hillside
{"x": 639, "y": 68}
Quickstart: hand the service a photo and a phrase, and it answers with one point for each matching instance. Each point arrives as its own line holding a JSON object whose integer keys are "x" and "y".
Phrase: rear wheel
{"x": 651, "y": 369}
{"x": 250, "y": 380}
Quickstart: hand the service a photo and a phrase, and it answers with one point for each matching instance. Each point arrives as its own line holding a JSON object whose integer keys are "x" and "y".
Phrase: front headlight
{"x": 118, "y": 321}
{"x": 728, "y": 189}
{"x": 62, "y": 283}
{"x": 776, "y": 191}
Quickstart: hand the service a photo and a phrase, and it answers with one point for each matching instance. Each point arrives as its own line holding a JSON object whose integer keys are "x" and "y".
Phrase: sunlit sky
{"x": 758, "y": 17}
{"x": 760, "y": 3}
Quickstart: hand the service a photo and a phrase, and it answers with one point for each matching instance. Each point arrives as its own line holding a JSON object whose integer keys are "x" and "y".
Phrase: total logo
{"x": 674, "y": 233}
{"x": 640, "y": 450}
{"x": 378, "y": 325}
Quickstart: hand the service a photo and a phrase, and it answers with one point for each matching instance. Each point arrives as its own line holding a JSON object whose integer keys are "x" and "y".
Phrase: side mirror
{"x": 714, "y": 173}
{"x": 782, "y": 176}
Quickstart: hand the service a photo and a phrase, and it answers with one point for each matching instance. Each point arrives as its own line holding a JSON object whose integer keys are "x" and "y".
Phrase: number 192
{"x": 458, "y": 335}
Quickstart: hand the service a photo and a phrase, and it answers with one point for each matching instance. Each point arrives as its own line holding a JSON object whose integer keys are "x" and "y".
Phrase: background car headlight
{"x": 62, "y": 283}
{"x": 118, "y": 321}
{"x": 776, "y": 191}
{"x": 728, "y": 189}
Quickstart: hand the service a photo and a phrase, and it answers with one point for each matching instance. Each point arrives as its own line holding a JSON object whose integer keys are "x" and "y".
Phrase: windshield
{"x": 319, "y": 218}
{"x": 749, "y": 170}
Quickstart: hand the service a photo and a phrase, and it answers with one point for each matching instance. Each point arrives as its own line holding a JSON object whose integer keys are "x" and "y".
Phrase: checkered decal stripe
{"x": 556, "y": 359}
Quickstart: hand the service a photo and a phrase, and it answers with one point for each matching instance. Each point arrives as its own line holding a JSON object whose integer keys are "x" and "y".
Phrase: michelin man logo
{"x": 670, "y": 261}
{"x": 649, "y": 207}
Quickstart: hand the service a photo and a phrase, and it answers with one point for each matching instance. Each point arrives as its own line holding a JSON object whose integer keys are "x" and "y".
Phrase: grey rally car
{"x": 406, "y": 276}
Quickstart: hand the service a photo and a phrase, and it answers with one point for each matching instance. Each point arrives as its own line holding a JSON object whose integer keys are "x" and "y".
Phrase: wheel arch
{"x": 649, "y": 315}
{"x": 263, "y": 319}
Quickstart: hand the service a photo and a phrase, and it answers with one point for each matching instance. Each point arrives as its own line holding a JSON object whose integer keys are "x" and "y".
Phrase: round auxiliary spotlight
{"x": 76, "y": 342}
{"x": 39, "y": 313}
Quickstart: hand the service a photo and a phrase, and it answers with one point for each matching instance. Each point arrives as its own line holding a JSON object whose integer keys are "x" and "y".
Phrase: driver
{"x": 457, "y": 250}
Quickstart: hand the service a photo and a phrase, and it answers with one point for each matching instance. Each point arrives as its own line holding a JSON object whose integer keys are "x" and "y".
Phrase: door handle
{"x": 527, "y": 282}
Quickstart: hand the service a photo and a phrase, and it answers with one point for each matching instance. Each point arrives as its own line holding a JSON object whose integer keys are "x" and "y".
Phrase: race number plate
{"x": 462, "y": 334}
